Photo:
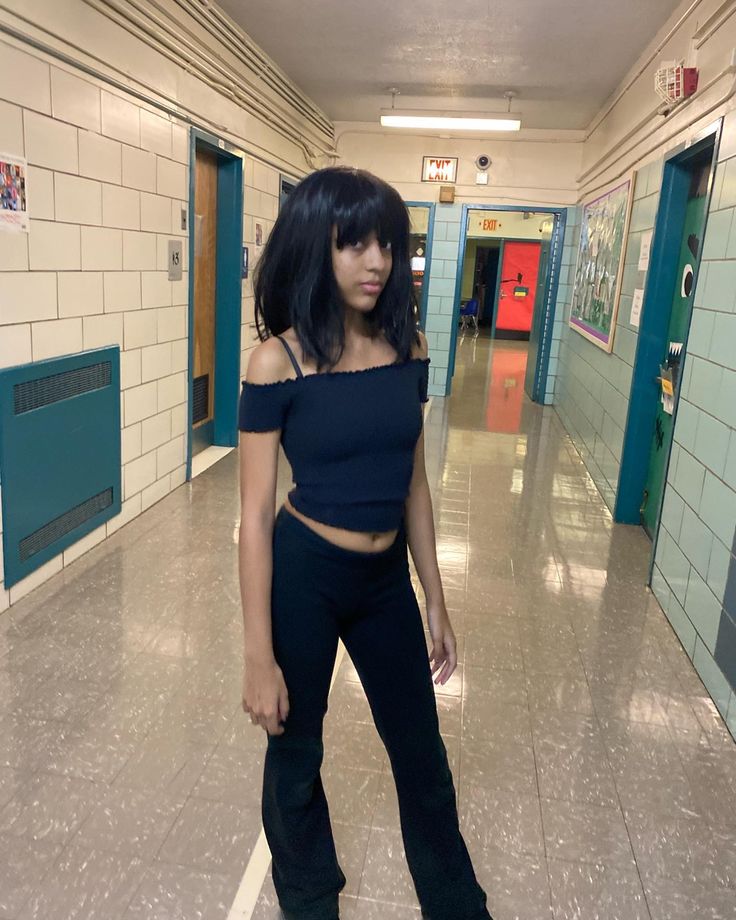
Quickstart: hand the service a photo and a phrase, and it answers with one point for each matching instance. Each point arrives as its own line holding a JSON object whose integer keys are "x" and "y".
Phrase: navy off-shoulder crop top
{"x": 349, "y": 437}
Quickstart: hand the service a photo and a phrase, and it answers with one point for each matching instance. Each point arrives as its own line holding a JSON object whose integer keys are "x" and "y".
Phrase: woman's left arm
{"x": 420, "y": 537}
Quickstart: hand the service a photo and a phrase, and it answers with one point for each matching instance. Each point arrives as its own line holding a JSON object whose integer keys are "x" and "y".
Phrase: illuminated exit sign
{"x": 439, "y": 169}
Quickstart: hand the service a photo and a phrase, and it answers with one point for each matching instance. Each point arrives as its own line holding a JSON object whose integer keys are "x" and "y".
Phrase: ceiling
{"x": 564, "y": 58}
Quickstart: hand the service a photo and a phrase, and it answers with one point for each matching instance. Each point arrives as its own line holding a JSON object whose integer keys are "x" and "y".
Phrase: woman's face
{"x": 361, "y": 271}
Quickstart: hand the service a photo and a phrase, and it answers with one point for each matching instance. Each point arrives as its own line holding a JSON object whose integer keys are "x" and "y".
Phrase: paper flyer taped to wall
{"x": 13, "y": 194}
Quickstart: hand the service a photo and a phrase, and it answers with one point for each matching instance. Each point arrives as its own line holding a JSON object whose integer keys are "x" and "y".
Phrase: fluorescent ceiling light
{"x": 394, "y": 119}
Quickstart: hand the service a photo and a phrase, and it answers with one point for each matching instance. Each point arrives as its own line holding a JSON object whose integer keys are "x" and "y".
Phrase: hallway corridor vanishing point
{"x": 595, "y": 778}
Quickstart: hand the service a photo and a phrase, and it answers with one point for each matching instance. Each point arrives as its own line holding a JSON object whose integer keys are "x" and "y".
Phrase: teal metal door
{"x": 671, "y": 361}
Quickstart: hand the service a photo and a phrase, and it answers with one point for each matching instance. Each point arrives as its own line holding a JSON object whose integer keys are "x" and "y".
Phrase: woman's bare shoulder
{"x": 268, "y": 363}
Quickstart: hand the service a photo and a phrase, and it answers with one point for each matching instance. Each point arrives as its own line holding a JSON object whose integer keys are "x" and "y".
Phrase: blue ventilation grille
{"x": 59, "y": 455}
{"x": 33, "y": 394}
{"x": 64, "y": 524}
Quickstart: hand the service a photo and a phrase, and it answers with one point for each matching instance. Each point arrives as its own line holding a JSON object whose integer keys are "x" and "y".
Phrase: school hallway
{"x": 594, "y": 776}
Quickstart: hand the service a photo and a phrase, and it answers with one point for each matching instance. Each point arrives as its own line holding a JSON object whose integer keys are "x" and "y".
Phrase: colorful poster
{"x": 13, "y": 194}
{"x": 597, "y": 289}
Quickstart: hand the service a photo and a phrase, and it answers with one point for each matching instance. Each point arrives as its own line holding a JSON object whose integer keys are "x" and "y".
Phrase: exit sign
{"x": 439, "y": 169}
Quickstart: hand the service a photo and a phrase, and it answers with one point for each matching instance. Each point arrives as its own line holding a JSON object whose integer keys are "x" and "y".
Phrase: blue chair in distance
{"x": 469, "y": 313}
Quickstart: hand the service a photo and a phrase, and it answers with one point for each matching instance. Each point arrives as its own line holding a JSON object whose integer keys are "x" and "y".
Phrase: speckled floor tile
{"x": 130, "y": 778}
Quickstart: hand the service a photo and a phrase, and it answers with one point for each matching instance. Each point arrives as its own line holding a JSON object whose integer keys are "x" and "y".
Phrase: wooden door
{"x": 205, "y": 292}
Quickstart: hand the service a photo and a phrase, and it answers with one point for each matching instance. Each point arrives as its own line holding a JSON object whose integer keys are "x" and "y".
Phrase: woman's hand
{"x": 444, "y": 650}
{"x": 265, "y": 695}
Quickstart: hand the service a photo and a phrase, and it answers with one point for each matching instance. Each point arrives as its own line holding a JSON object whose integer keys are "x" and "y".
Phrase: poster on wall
{"x": 597, "y": 289}
{"x": 13, "y": 194}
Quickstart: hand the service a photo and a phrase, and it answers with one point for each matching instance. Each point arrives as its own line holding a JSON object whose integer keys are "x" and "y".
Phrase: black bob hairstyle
{"x": 294, "y": 282}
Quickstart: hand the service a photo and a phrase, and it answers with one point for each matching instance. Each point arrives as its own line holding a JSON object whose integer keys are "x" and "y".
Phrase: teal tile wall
{"x": 695, "y": 547}
{"x": 441, "y": 295}
{"x": 592, "y": 387}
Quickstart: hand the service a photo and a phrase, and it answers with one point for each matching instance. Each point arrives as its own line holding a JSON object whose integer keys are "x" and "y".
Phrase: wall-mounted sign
{"x": 439, "y": 169}
{"x": 175, "y": 260}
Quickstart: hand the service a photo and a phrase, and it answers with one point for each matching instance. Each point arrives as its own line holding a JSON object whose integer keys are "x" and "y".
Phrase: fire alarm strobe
{"x": 674, "y": 82}
{"x": 482, "y": 161}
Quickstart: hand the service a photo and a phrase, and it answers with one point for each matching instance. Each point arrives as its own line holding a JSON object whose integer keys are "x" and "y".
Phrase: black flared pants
{"x": 322, "y": 592}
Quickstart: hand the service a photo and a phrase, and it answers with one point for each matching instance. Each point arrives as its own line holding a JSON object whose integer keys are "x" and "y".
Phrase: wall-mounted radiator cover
{"x": 59, "y": 454}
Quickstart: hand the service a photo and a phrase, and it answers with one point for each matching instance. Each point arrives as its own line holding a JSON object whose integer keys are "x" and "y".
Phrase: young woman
{"x": 340, "y": 382}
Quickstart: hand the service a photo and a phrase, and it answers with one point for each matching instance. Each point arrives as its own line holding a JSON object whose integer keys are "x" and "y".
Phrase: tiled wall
{"x": 107, "y": 182}
{"x": 261, "y": 205}
{"x": 564, "y": 298}
{"x": 593, "y": 386}
{"x": 441, "y": 296}
{"x": 108, "y": 178}
{"x": 695, "y": 568}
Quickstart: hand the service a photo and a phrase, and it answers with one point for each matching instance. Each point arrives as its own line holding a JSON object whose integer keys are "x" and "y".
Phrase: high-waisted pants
{"x": 322, "y": 592}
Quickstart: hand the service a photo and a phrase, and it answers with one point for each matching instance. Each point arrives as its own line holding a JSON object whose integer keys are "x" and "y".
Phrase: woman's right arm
{"x": 265, "y": 695}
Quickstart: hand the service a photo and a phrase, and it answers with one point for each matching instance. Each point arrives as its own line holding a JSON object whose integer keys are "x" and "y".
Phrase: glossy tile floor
{"x": 594, "y": 776}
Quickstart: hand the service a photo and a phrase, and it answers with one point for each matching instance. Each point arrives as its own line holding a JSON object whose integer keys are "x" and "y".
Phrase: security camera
{"x": 482, "y": 161}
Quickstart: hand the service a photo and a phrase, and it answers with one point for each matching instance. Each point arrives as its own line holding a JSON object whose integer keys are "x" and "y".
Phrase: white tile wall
{"x": 41, "y": 193}
{"x": 180, "y": 143}
{"x": 107, "y": 181}
{"x": 139, "y": 251}
{"x": 121, "y": 207}
{"x": 122, "y": 291}
{"x": 172, "y": 391}
{"x": 102, "y": 249}
{"x": 130, "y": 369}
{"x": 172, "y": 324}
{"x": 80, "y": 293}
{"x": 171, "y": 178}
{"x": 27, "y": 297}
{"x": 100, "y": 157}
{"x": 179, "y": 418}
{"x": 11, "y": 129}
{"x": 75, "y": 100}
{"x": 130, "y": 442}
{"x": 141, "y": 328}
{"x": 155, "y": 133}
{"x": 15, "y": 345}
{"x": 120, "y": 119}
{"x": 155, "y": 431}
{"x": 14, "y": 252}
{"x": 179, "y": 355}
{"x": 56, "y": 338}
{"x": 50, "y": 143}
{"x": 102, "y": 330}
{"x": 155, "y": 213}
{"x": 54, "y": 246}
{"x": 155, "y": 492}
{"x": 139, "y": 403}
{"x": 170, "y": 456}
{"x": 77, "y": 201}
{"x": 139, "y": 169}
{"x": 138, "y": 474}
{"x": 24, "y": 79}
{"x": 156, "y": 290}
{"x": 156, "y": 361}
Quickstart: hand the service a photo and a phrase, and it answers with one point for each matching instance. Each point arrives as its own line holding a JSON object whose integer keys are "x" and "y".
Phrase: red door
{"x": 516, "y": 298}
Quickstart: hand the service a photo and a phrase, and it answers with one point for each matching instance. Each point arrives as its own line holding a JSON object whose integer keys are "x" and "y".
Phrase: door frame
{"x": 428, "y": 257}
{"x": 228, "y": 287}
{"x": 550, "y": 299}
{"x": 654, "y": 326}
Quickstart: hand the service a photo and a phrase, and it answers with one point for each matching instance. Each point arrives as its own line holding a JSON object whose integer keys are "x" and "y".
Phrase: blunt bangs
{"x": 364, "y": 206}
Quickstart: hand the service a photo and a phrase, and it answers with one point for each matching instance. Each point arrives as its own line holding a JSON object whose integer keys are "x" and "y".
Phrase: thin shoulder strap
{"x": 291, "y": 355}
